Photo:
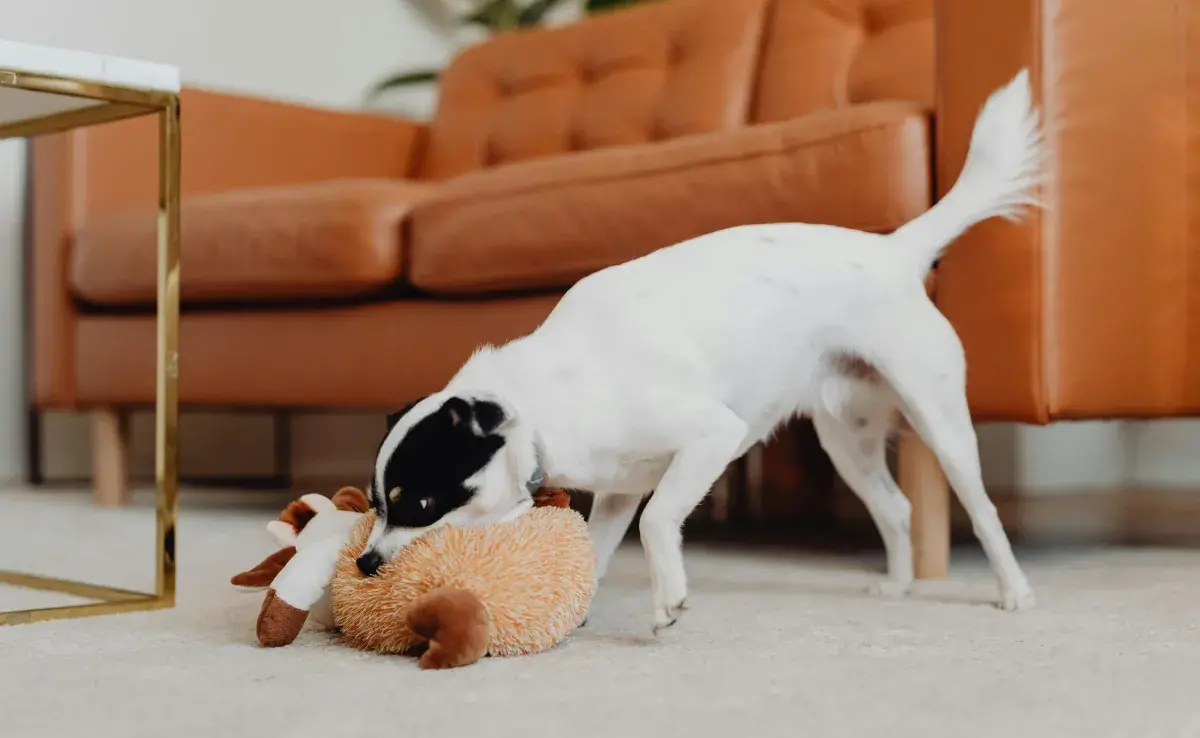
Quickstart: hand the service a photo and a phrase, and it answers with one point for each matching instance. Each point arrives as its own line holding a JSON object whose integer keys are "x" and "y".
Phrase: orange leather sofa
{"x": 347, "y": 260}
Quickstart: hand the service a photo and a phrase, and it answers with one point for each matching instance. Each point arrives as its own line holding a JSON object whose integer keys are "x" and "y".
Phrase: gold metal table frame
{"x": 114, "y": 103}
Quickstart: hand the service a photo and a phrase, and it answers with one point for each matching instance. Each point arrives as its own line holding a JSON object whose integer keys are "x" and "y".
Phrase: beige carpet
{"x": 775, "y": 644}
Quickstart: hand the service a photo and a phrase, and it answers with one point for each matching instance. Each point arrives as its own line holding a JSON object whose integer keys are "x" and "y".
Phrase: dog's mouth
{"x": 394, "y": 538}
{"x": 369, "y": 563}
{"x": 385, "y": 546}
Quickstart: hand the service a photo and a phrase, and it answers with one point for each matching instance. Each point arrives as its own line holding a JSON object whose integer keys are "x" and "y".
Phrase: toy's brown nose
{"x": 369, "y": 563}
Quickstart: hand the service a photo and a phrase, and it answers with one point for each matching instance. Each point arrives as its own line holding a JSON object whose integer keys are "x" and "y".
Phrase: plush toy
{"x": 457, "y": 594}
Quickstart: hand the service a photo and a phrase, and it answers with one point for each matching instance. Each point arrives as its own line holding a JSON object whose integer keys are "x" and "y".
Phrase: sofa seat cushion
{"x": 548, "y": 223}
{"x": 331, "y": 239}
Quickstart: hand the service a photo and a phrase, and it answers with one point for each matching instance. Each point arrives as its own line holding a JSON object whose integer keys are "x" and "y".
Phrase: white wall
{"x": 11, "y": 349}
{"x": 303, "y": 50}
{"x": 312, "y": 51}
{"x": 1070, "y": 457}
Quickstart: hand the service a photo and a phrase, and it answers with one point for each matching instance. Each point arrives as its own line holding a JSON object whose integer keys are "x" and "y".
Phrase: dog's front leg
{"x": 607, "y": 523}
{"x": 708, "y": 449}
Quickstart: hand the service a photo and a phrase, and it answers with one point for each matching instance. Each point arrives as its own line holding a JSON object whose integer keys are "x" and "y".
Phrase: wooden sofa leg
{"x": 922, "y": 480}
{"x": 110, "y": 457}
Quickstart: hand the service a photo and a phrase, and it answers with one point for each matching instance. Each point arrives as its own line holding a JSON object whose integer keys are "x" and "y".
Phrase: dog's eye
{"x": 426, "y": 503}
{"x": 394, "y": 494}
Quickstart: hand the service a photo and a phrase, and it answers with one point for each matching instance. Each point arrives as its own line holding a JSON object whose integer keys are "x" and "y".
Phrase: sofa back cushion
{"x": 653, "y": 72}
{"x": 821, "y": 54}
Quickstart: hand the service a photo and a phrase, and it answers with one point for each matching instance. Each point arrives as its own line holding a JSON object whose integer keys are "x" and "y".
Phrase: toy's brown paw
{"x": 440, "y": 658}
{"x": 455, "y": 623}
{"x": 278, "y": 622}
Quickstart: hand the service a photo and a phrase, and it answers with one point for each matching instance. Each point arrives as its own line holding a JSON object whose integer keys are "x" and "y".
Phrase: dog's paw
{"x": 890, "y": 588}
{"x": 665, "y": 617}
{"x": 1017, "y": 598}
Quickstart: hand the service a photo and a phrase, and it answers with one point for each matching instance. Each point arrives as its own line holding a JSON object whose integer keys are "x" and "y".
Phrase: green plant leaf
{"x": 496, "y": 15}
{"x": 533, "y": 14}
{"x": 600, "y": 6}
{"x": 407, "y": 79}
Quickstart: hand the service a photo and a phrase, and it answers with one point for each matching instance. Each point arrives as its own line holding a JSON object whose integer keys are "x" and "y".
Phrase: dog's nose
{"x": 369, "y": 563}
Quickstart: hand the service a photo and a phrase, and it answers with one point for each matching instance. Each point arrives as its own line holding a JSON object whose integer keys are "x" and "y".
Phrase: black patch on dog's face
{"x": 425, "y": 478}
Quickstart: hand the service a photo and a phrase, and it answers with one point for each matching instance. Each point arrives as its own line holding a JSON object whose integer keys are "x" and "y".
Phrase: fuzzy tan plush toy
{"x": 457, "y": 594}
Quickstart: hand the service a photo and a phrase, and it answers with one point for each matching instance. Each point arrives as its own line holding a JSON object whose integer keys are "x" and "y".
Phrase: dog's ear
{"x": 393, "y": 418}
{"x": 476, "y": 416}
{"x": 490, "y": 416}
{"x": 457, "y": 411}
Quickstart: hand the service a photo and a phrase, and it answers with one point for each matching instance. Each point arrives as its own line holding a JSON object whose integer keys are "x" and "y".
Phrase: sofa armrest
{"x": 1081, "y": 310}
{"x": 229, "y": 142}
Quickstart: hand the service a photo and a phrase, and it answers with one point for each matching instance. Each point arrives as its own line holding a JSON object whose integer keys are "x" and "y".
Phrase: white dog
{"x": 652, "y": 376}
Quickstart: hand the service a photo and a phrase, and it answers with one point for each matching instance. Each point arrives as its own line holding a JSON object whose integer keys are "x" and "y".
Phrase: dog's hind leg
{"x": 853, "y": 419}
{"x": 927, "y": 370}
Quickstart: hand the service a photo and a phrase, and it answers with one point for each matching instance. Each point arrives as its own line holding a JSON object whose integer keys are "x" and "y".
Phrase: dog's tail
{"x": 1000, "y": 177}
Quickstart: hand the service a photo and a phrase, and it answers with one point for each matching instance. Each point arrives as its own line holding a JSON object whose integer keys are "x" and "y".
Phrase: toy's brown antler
{"x": 351, "y": 498}
{"x": 265, "y": 571}
{"x": 551, "y": 497}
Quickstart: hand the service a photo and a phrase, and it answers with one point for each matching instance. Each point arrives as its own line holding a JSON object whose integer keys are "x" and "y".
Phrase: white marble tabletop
{"x": 18, "y": 105}
{"x": 111, "y": 70}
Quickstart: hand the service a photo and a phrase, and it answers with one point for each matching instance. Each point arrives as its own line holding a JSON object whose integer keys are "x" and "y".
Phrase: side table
{"x": 45, "y": 90}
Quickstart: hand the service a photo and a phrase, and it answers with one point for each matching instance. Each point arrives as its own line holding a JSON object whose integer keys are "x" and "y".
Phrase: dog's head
{"x": 446, "y": 460}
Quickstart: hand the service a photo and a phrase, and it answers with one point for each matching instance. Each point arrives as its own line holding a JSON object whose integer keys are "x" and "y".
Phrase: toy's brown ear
{"x": 265, "y": 572}
{"x": 551, "y": 497}
{"x": 297, "y": 514}
{"x": 352, "y": 499}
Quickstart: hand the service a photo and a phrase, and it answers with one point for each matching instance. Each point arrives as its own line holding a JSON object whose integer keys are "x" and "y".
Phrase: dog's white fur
{"x": 652, "y": 376}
